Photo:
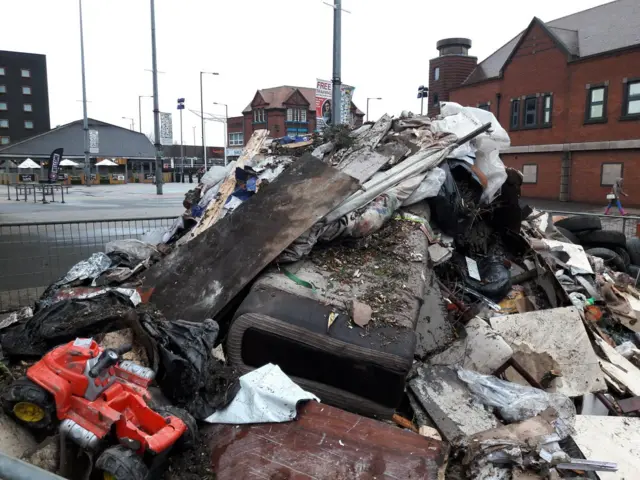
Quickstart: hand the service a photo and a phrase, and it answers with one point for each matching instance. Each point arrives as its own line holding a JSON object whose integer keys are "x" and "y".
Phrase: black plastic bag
{"x": 496, "y": 278}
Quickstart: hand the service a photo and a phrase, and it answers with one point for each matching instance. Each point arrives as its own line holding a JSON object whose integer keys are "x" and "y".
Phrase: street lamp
{"x": 204, "y": 147}
{"x": 85, "y": 121}
{"x": 226, "y": 131}
{"x": 140, "y": 97}
{"x": 156, "y": 108}
{"x": 181, "y": 108}
{"x": 423, "y": 92}
{"x": 371, "y": 98}
{"x": 132, "y": 122}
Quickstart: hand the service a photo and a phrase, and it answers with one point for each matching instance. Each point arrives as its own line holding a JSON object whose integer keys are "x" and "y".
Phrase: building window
{"x": 258, "y": 115}
{"x": 435, "y": 99}
{"x": 4, "y": 140}
{"x": 596, "y": 110}
{"x": 547, "y": 107}
{"x": 296, "y": 115}
{"x": 530, "y": 173}
{"x": 515, "y": 113}
{"x": 3, "y": 105}
{"x": 2, "y": 72}
{"x": 632, "y": 99}
{"x": 609, "y": 173}
{"x": 4, "y": 123}
{"x": 530, "y": 112}
{"x": 27, "y": 107}
{"x": 25, "y": 73}
{"x": 236, "y": 139}
{"x": 28, "y": 124}
{"x": 436, "y": 74}
{"x": 26, "y": 90}
{"x": 485, "y": 106}
{"x": 3, "y": 89}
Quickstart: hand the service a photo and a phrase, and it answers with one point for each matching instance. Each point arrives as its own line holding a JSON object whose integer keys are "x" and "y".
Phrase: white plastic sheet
{"x": 266, "y": 395}
{"x": 578, "y": 259}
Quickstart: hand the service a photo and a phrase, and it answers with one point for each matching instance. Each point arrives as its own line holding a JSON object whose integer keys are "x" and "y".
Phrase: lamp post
{"x": 132, "y": 124}
{"x": 140, "y": 97}
{"x": 204, "y": 146}
{"x": 181, "y": 108}
{"x": 226, "y": 131}
{"x": 85, "y": 121}
{"x": 156, "y": 109}
{"x": 371, "y": 98}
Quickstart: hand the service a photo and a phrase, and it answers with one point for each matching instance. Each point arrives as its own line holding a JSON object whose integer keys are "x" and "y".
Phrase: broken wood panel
{"x": 214, "y": 209}
{"x": 619, "y": 368}
{"x": 611, "y": 439}
{"x": 449, "y": 404}
{"x": 323, "y": 443}
{"x": 365, "y": 165}
{"x": 554, "y": 337}
{"x": 197, "y": 280}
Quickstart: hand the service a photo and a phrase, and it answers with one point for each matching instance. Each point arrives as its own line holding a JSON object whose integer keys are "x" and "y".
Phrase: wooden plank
{"x": 361, "y": 161}
{"x": 197, "y": 280}
{"x": 619, "y": 368}
{"x": 323, "y": 443}
{"x": 214, "y": 209}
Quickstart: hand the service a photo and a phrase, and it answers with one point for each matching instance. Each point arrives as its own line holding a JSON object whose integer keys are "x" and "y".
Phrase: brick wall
{"x": 548, "y": 181}
{"x": 454, "y": 69}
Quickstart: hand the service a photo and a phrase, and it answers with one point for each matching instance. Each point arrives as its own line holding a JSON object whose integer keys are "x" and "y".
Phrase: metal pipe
{"x": 181, "y": 149}
{"x": 156, "y": 109}
{"x": 14, "y": 469}
{"x": 204, "y": 148}
{"x": 336, "y": 116}
{"x": 140, "y": 97}
{"x": 85, "y": 120}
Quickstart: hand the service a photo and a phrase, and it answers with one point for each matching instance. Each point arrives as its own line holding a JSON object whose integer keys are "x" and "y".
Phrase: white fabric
{"x": 266, "y": 395}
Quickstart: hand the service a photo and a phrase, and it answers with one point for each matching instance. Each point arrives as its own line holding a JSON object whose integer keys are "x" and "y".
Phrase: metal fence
{"x": 34, "y": 255}
{"x": 626, "y": 224}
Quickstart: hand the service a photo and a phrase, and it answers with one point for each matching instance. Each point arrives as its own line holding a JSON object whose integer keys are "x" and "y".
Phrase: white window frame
{"x": 3, "y": 71}
{"x": 436, "y": 74}
{"x": 23, "y": 71}
{"x": 610, "y": 172}
{"x": 28, "y": 122}
{"x": 4, "y": 123}
{"x": 236, "y": 139}
{"x": 6, "y": 107}
{"x": 5, "y": 140}
{"x": 259, "y": 115}
{"x": 28, "y": 110}
{"x": 530, "y": 170}
{"x": 303, "y": 115}
{"x": 28, "y": 88}
{"x": 3, "y": 89}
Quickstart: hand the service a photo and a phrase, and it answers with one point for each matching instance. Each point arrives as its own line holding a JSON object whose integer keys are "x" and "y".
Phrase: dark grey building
{"x": 24, "y": 96}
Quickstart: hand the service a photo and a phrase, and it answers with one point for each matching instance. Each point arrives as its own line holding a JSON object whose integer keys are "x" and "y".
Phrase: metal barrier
{"x": 627, "y": 224}
{"x": 34, "y": 255}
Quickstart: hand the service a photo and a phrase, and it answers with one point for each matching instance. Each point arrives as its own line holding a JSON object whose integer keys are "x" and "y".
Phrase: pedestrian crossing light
{"x": 423, "y": 92}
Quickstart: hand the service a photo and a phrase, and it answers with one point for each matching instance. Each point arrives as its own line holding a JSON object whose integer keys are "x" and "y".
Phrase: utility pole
{"x": 371, "y": 98}
{"x": 194, "y": 135}
{"x": 336, "y": 117}
{"x": 204, "y": 144}
{"x": 85, "y": 123}
{"x": 226, "y": 130}
{"x": 156, "y": 109}
{"x": 181, "y": 108}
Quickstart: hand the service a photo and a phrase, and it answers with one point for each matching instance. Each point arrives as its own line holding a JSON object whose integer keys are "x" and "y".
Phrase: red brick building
{"x": 282, "y": 110}
{"x": 568, "y": 93}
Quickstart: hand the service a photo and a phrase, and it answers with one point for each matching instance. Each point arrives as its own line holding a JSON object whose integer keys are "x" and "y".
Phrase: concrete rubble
{"x": 390, "y": 272}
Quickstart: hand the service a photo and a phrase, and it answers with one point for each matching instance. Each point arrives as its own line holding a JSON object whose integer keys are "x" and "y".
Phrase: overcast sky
{"x": 386, "y": 47}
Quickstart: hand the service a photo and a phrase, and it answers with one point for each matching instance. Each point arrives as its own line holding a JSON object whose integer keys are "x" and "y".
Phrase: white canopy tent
{"x": 28, "y": 163}
{"x": 106, "y": 163}
{"x": 68, "y": 163}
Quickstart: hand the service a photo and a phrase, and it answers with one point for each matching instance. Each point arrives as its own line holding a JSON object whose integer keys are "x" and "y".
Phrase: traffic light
{"x": 423, "y": 92}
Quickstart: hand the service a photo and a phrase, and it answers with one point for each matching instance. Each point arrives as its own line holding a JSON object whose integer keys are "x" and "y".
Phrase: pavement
{"x": 96, "y": 202}
{"x": 575, "y": 207}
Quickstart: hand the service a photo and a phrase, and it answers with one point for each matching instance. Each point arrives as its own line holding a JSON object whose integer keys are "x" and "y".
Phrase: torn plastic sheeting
{"x": 137, "y": 250}
{"x": 266, "y": 395}
{"x": 188, "y": 373}
{"x": 14, "y": 317}
{"x": 428, "y": 188}
{"x": 216, "y": 174}
{"x": 578, "y": 260}
{"x": 80, "y": 293}
{"x": 516, "y": 402}
{"x": 91, "y": 269}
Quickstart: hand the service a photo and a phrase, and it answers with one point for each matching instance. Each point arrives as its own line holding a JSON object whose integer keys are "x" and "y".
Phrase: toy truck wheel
{"x": 120, "y": 463}
{"x": 30, "y": 404}
{"x": 188, "y": 439}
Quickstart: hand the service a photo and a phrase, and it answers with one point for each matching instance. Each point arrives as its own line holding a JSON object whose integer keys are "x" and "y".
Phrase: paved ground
{"x": 97, "y": 202}
{"x": 554, "y": 205}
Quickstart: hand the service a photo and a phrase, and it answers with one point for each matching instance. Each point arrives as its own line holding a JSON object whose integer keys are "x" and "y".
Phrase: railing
{"x": 34, "y": 255}
{"x": 627, "y": 224}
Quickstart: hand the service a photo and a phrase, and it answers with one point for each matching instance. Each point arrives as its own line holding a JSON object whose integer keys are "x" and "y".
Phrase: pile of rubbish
{"x": 388, "y": 272}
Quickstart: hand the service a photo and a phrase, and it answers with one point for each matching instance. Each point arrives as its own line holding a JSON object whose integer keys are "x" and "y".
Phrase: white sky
{"x": 386, "y": 47}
